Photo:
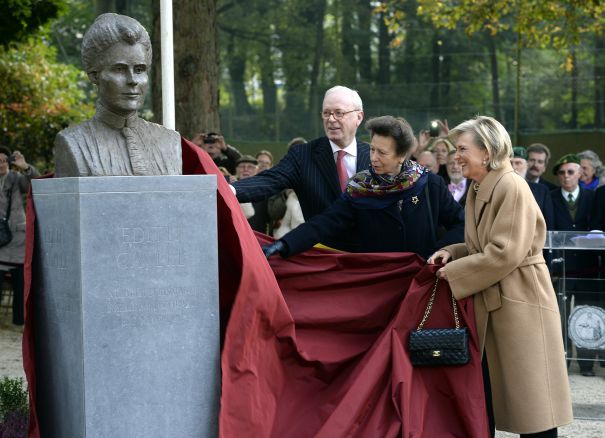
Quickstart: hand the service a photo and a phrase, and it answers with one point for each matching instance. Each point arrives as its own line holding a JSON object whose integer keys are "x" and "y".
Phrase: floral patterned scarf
{"x": 369, "y": 191}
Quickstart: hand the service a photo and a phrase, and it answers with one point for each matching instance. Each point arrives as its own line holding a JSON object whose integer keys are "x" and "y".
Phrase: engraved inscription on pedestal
{"x": 127, "y": 306}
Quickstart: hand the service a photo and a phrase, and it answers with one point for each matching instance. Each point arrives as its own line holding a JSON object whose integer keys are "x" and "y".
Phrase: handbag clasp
{"x": 436, "y": 353}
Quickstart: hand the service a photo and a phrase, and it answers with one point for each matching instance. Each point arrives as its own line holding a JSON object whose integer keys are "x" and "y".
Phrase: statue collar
{"x": 114, "y": 120}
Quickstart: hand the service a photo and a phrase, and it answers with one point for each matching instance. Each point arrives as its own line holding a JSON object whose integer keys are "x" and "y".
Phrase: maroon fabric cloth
{"x": 316, "y": 345}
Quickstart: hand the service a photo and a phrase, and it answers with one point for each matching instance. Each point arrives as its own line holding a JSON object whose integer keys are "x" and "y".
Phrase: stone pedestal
{"x": 126, "y": 307}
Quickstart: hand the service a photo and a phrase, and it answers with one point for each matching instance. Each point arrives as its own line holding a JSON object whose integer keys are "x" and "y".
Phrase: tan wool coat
{"x": 516, "y": 310}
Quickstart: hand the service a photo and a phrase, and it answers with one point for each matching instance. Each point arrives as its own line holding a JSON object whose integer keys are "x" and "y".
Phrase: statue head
{"x": 116, "y": 53}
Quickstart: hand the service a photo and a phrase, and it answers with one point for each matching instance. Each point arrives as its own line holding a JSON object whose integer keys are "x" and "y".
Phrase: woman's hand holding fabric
{"x": 441, "y": 254}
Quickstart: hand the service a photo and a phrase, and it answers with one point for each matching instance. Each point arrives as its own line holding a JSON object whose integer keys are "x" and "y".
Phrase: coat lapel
{"x": 479, "y": 200}
{"x": 323, "y": 157}
{"x": 363, "y": 156}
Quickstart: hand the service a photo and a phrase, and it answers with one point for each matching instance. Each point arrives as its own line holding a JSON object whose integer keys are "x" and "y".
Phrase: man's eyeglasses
{"x": 569, "y": 172}
{"x": 338, "y": 115}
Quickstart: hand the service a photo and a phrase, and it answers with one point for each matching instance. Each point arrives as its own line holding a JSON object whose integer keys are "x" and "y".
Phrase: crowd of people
{"x": 464, "y": 198}
{"x": 408, "y": 194}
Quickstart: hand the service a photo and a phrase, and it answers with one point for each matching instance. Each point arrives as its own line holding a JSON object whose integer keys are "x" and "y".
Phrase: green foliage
{"x": 539, "y": 23}
{"x": 38, "y": 98}
{"x": 13, "y": 396}
{"x": 21, "y": 18}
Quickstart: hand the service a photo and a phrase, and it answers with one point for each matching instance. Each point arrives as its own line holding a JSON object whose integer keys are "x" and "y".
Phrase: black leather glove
{"x": 276, "y": 247}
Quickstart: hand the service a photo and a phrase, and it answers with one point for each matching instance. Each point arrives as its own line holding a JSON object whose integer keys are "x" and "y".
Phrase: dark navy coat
{"x": 310, "y": 170}
{"x": 577, "y": 263}
{"x": 400, "y": 227}
{"x": 598, "y": 213}
{"x": 544, "y": 201}
{"x": 563, "y": 220}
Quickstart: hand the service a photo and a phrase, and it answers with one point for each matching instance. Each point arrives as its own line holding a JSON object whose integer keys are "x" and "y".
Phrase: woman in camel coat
{"x": 501, "y": 264}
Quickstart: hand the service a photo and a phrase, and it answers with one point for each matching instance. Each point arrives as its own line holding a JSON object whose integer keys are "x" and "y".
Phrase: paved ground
{"x": 588, "y": 392}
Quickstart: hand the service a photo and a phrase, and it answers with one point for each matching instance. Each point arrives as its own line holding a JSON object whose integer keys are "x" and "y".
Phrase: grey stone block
{"x": 126, "y": 313}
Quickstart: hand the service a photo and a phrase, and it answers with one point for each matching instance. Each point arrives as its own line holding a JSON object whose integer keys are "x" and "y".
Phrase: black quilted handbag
{"x": 439, "y": 346}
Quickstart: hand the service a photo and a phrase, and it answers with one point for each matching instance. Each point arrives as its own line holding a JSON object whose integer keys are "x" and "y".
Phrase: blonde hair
{"x": 435, "y": 141}
{"x": 490, "y": 135}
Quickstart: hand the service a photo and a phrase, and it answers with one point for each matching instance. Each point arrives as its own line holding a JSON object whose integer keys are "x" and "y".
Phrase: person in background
{"x": 440, "y": 147}
{"x": 265, "y": 160}
{"x": 318, "y": 171}
{"x": 501, "y": 265}
{"x": 293, "y": 216}
{"x": 538, "y": 156}
{"x": 593, "y": 172}
{"x": 540, "y": 191}
{"x": 247, "y": 167}
{"x": 437, "y": 128}
{"x": 458, "y": 185}
{"x": 573, "y": 207}
{"x": 427, "y": 159}
{"x": 279, "y": 204}
{"x": 395, "y": 206}
{"x": 598, "y": 214}
{"x": 13, "y": 185}
{"x": 222, "y": 154}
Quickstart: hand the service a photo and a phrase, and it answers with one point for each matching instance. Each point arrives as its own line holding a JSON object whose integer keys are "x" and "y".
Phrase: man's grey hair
{"x": 351, "y": 94}
{"x": 107, "y": 30}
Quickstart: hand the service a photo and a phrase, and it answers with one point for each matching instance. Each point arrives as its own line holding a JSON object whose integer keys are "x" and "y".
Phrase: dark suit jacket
{"x": 563, "y": 220}
{"x": 396, "y": 228}
{"x": 548, "y": 184}
{"x": 544, "y": 201}
{"x": 598, "y": 214}
{"x": 310, "y": 170}
{"x": 577, "y": 263}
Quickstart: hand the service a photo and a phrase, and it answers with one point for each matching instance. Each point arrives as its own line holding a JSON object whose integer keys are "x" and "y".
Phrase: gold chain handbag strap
{"x": 429, "y": 308}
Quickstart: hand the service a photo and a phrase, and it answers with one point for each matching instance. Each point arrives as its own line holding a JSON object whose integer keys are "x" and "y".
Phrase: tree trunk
{"x": 156, "y": 65}
{"x": 236, "y": 64}
{"x": 314, "y": 106}
{"x": 267, "y": 80}
{"x": 493, "y": 60}
{"x": 599, "y": 81}
{"x": 348, "y": 65}
{"x": 435, "y": 95}
{"x": 364, "y": 37}
{"x": 517, "y": 91}
{"x": 573, "y": 122}
{"x": 384, "y": 54}
{"x": 196, "y": 66}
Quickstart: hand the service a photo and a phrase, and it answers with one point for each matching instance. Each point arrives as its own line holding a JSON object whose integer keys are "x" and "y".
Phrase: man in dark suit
{"x": 573, "y": 207}
{"x": 540, "y": 191}
{"x": 537, "y": 160}
{"x": 598, "y": 215}
{"x": 318, "y": 170}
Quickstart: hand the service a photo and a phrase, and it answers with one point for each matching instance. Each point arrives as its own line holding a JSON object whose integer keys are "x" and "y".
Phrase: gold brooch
{"x": 415, "y": 200}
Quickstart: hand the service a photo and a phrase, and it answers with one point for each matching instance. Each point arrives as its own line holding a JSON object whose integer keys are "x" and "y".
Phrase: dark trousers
{"x": 17, "y": 281}
{"x": 487, "y": 386}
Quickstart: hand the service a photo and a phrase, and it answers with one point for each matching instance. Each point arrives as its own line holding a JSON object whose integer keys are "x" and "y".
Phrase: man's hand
{"x": 276, "y": 247}
{"x": 220, "y": 141}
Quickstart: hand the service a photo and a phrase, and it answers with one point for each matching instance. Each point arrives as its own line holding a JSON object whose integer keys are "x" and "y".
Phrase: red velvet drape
{"x": 316, "y": 345}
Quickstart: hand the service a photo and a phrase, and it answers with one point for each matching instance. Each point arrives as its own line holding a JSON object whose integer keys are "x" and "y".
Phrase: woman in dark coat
{"x": 394, "y": 206}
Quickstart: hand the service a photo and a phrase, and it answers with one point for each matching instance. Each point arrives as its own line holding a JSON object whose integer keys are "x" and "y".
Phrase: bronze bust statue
{"x": 116, "y": 53}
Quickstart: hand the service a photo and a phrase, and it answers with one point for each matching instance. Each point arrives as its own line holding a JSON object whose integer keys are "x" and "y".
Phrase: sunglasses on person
{"x": 563, "y": 171}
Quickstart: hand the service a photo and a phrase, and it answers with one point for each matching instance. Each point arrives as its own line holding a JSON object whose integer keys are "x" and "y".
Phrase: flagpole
{"x": 168, "y": 118}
